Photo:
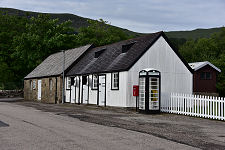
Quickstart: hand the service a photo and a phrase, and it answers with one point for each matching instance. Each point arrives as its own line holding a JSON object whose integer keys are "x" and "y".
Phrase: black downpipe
{"x": 55, "y": 90}
{"x": 79, "y": 93}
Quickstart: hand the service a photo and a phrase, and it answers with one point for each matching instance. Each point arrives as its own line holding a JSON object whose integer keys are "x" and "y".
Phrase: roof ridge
{"x": 143, "y": 36}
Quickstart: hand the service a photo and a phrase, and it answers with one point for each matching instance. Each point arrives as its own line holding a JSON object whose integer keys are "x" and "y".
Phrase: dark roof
{"x": 53, "y": 65}
{"x": 112, "y": 57}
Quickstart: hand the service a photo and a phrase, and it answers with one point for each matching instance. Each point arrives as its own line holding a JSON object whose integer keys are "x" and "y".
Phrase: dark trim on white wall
{"x": 112, "y": 81}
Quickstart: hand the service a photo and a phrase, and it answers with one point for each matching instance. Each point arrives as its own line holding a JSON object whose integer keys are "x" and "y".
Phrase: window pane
{"x": 68, "y": 83}
{"x": 31, "y": 85}
{"x": 34, "y": 84}
{"x": 208, "y": 75}
{"x": 95, "y": 82}
{"x": 202, "y": 76}
{"x": 115, "y": 80}
{"x": 50, "y": 84}
{"x": 72, "y": 80}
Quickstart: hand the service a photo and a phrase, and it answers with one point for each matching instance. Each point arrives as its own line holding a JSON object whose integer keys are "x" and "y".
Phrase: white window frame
{"x": 115, "y": 81}
{"x": 50, "y": 84}
{"x": 34, "y": 84}
{"x": 94, "y": 82}
{"x": 68, "y": 83}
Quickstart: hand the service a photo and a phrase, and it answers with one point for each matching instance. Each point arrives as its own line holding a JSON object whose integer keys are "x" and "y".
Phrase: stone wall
{"x": 48, "y": 95}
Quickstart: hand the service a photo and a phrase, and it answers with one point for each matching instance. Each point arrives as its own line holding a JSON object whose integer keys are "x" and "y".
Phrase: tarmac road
{"x": 27, "y": 128}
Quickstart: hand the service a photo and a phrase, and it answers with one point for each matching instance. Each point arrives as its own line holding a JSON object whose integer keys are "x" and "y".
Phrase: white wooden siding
{"x": 175, "y": 77}
{"x": 113, "y": 97}
{"x": 116, "y": 97}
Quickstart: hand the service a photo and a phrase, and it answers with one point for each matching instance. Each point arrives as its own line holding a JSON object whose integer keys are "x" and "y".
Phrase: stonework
{"x": 51, "y": 89}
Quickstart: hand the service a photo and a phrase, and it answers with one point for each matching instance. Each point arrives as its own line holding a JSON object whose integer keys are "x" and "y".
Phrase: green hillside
{"x": 78, "y": 22}
{"x": 194, "y": 34}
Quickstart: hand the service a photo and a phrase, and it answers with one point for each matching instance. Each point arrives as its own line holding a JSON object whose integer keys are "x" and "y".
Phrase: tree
{"x": 100, "y": 33}
{"x": 10, "y": 26}
{"x": 208, "y": 49}
{"x": 42, "y": 37}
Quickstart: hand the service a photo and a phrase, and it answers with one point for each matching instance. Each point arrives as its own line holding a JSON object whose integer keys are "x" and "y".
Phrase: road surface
{"x": 27, "y": 128}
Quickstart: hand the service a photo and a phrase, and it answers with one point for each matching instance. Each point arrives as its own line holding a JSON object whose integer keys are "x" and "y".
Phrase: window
{"x": 73, "y": 81}
{"x": 115, "y": 81}
{"x": 68, "y": 83}
{"x": 125, "y": 48}
{"x": 205, "y": 76}
{"x": 50, "y": 84}
{"x": 31, "y": 85}
{"x": 98, "y": 53}
{"x": 34, "y": 84}
{"x": 94, "y": 81}
{"x": 84, "y": 80}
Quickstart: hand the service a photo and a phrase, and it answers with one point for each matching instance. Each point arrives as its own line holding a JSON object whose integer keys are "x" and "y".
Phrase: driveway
{"x": 68, "y": 126}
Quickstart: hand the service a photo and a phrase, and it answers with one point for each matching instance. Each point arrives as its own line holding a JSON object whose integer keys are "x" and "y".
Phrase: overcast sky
{"x": 136, "y": 15}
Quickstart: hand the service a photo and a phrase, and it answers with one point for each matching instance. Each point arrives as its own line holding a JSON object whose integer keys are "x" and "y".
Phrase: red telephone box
{"x": 135, "y": 90}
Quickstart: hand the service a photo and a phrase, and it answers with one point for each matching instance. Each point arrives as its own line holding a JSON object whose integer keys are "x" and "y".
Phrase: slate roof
{"x": 198, "y": 65}
{"x": 53, "y": 65}
{"x": 112, "y": 59}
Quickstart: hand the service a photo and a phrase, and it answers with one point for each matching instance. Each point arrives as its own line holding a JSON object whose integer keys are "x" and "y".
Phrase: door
{"x": 77, "y": 90}
{"x": 85, "y": 89}
{"x": 154, "y": 93}
{"x": 142, "y": 83}
{"x": 73, "y": 90}
{"x": 39, "y": 89}
{"x": 102, "y": 91}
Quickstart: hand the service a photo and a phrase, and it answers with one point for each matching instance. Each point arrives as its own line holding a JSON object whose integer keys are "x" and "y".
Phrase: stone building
{"x": 44, "y": 83}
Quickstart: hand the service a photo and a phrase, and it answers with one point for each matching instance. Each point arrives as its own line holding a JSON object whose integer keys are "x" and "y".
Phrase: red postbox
{"x": 135, "y": 90}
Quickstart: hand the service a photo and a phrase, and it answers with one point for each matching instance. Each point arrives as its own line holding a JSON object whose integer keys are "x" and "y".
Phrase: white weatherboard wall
{"x": 175, "y": 77}
{"x": 113, "y": 97}
{"x": 117, "y": 97}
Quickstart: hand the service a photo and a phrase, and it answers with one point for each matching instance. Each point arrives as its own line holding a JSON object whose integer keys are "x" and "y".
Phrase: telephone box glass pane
{"x": 153, "y": 73}
{"x": 142, "y": 93}
{"x": 153, "y": 93}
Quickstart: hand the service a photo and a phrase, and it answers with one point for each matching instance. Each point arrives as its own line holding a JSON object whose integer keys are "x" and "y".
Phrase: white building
{"x": 105, "y": 75}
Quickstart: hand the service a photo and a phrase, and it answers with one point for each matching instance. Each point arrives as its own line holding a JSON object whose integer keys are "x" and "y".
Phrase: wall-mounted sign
{"x": 153, "y": 73}
{"x": 143, "y": 73}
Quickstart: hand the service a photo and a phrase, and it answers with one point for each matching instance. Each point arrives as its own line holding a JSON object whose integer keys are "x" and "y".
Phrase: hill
{"x": 78, "y": 22}
{"x": 194, "y": 34}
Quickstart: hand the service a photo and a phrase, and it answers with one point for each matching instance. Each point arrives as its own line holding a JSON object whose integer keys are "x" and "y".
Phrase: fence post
{"x": 219, "y": 113}
{"x": 223, "y": 108}
{"x": 208, "y": 105}
{"x": 205, "y": 106}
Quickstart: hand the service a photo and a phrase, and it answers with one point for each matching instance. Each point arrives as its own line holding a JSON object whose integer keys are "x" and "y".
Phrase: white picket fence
{"x": 195, "y": 105}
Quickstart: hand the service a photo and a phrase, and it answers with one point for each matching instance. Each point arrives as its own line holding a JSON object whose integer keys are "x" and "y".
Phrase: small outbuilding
{"x": 44, "y": 83}
{"x": 205, "y": 78}
{"x": 105, "y": 75}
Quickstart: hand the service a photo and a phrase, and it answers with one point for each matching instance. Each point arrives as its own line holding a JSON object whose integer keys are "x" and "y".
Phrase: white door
{"x": 73, "y": 93}
{"x": 39, "y": 89}
{"x": 102, "y": 86}
{"x": 77, "y": 90}
{"x": 85, "y": 89}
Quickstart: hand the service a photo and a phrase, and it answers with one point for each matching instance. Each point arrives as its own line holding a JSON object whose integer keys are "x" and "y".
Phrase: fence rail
{"x": 195, "y": 105}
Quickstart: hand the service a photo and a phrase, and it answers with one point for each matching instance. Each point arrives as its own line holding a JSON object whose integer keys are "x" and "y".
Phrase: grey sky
{"x": 136, "y": 15}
